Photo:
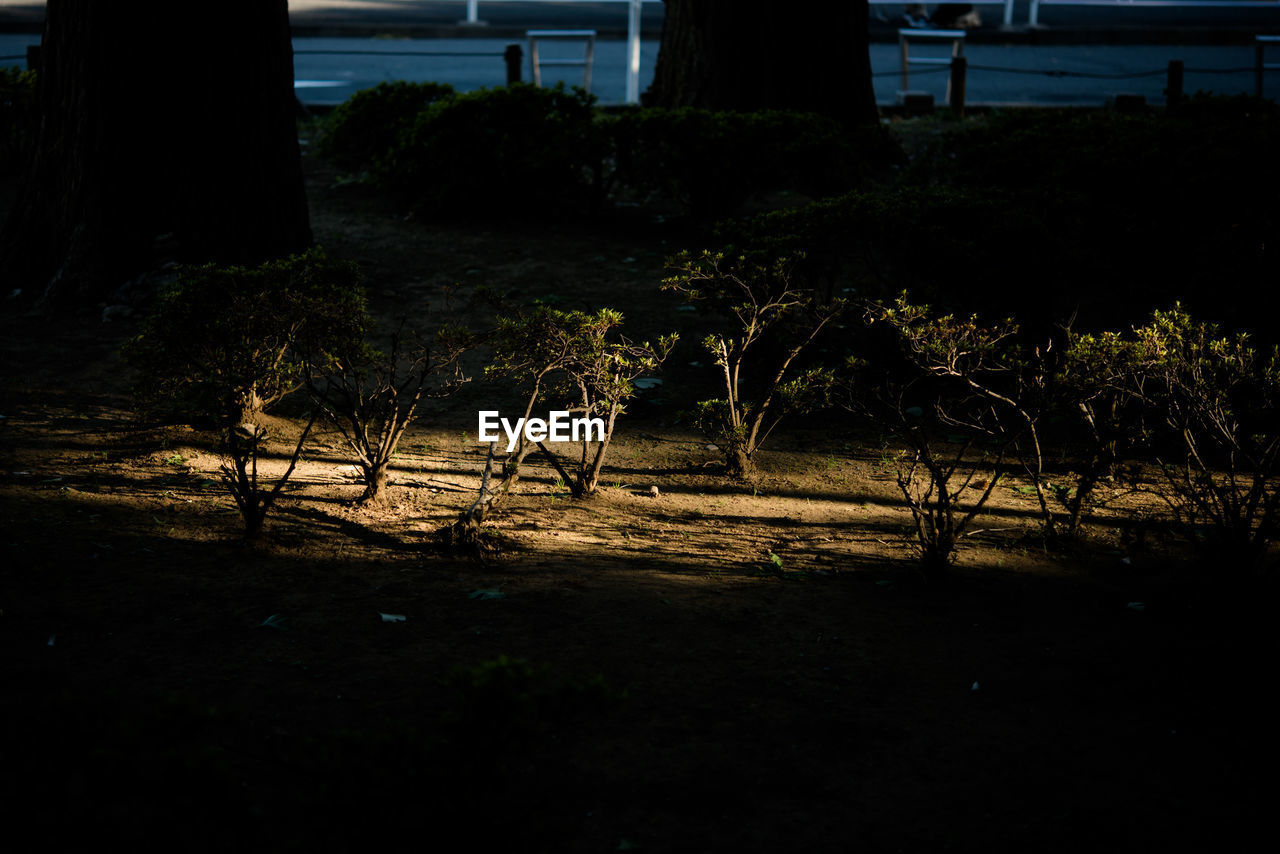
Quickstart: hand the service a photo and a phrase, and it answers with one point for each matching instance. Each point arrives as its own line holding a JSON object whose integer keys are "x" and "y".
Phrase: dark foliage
{"x": 223, "y": 343}
{"x": 368, "y": 124}
{"x": 1138, "y": 209}
{"x": 710, "y": 163}
{"x": 522, "y": 152}
{"x": 18, "y": 118}
{"x": 516, "y": 151}
{"x": 1046, "y": 213}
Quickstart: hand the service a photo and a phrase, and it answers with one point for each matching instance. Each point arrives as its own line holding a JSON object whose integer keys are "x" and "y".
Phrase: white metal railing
{"x": 633, "y": 35}
{"x": 1033, "y": 17}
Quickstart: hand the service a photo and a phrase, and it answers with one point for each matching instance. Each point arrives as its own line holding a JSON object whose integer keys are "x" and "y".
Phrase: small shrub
{"x": 223, "y": 343}
{"x": 242, "y": 446}
{"x": 1219, "y": 398}
{"x": 516, "y": 151}
{"x": 371, "y": 397}
{"x": 367, "y": 125}
{"x": 577, "y": 363}
{"x": 1100, "y": 382}
{"x": 766, "y": 308}
{"x": 563, "y": 361}
{"x": 959, "y": 399}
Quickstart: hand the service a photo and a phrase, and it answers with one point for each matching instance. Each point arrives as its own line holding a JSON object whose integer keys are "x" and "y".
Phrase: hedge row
{"x": 521, "y": 149}
{"x": 1046, "y": 213}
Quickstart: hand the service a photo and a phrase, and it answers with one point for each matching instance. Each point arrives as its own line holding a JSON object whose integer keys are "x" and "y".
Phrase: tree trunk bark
{"x": 738, "y": 462}
{"x": 168, "y": 131}
{"x": 766, "y": 54}
{"x": 375, "y": 489}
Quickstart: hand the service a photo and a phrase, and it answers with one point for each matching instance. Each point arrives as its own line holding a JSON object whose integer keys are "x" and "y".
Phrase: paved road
{"x": 427, "y": 17}
{"x": 369, "y": 16}
{"x": 330, "y": 79}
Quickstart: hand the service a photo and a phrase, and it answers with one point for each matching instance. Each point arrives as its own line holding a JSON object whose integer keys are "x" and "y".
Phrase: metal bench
{"x": 588, "y": 36}
{"x": 908, "y": 35}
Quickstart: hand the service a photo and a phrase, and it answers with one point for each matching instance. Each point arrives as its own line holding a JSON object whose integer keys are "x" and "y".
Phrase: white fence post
{"x": 633, "y": 52}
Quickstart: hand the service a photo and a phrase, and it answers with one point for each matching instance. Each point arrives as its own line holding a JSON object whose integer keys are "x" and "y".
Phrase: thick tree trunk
{"x": 766, "y": 54}
{"x": 167, "y": 132}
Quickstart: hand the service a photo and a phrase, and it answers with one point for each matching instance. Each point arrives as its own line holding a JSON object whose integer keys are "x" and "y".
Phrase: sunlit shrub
{"x": 963, "y": 396}
{"x": 766, "y": 311}
{"x": 371, "y": 397}
{"x": 1099, "y": 385}
{"x": 1218, "y": 397}
{"x": 575, "y": 362}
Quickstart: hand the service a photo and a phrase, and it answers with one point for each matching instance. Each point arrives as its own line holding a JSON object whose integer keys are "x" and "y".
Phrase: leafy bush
{"x": 520, "y": 149}
{"x": 1219, "y": 398}
{"x": 711, "y": 162}
{"x": 965, "y": 402}
{"x": 565, "y": 361}
{"x": 514, "y": 151}
{"x": 766, "y": 309}
{"x": 223, "y": 343}
{"x": 1099, "y": 382}
{"x": 580, "y": 362}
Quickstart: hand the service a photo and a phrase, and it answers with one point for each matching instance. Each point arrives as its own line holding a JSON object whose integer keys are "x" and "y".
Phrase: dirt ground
{"x": 717, "y": 668}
